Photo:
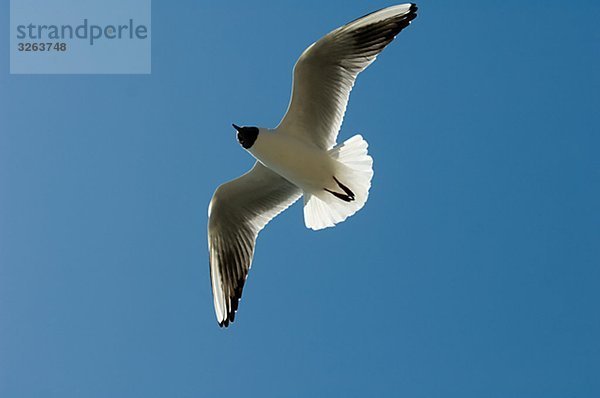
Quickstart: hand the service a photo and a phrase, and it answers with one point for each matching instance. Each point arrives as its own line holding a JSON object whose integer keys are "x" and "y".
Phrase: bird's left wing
{"x": 325, "y": 73}
{"x": 237, "y": 212}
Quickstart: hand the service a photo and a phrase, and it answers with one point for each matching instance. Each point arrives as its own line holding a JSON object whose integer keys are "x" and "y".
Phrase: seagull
{"x": 300, "y": 158}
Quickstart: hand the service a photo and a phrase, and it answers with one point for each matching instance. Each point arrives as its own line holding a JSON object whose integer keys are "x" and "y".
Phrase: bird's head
{"x": 246, "y": 135}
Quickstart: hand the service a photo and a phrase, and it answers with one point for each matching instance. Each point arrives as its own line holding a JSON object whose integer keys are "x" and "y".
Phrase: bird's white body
{"x": 308, "y": 167}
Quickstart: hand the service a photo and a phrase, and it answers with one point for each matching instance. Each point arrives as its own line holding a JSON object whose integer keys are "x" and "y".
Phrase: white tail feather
{"x": 354, "y": 171}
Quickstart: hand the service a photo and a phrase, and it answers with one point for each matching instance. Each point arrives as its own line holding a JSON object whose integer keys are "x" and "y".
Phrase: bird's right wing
{"x": 325, "y": 73}
{"x": 237, "y": 212}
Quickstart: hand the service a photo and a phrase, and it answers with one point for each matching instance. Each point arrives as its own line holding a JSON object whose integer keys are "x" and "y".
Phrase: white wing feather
{"x": 237, "y": 212}
{"x": 325, "y": 73}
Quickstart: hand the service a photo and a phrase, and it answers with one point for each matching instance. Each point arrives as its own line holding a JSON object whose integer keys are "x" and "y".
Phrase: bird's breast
{"x": 304, "y": 165}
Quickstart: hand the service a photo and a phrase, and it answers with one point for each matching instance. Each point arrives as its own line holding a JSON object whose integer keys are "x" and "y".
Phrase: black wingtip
{"x": 230, "y": 317}
{"x": 412, "y": 11}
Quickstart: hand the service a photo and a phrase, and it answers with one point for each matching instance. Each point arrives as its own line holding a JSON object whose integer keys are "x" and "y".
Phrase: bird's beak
{"x": 235, "y": 126}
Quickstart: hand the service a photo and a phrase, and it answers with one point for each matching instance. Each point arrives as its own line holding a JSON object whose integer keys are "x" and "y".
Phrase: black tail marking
{"x": 349, "y": 195}
{"x": 341, "y": 196}
{"x": 345, "y": 188}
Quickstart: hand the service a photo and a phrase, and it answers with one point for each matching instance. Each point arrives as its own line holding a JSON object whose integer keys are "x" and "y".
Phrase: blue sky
{"x": 472, "y": 271}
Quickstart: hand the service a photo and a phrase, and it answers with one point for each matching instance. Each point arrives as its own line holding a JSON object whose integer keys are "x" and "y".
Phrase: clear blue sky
{"x": 473, "y": 270}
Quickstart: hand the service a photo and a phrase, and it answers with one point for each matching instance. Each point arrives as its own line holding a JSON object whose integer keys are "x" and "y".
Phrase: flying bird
{"x": 300, "y": 158}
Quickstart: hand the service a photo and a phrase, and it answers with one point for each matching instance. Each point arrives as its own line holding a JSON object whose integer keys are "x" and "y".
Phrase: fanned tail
{"x": 351, "y": 182}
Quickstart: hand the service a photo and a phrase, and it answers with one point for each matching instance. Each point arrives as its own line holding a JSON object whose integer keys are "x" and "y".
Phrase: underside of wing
{"x": 325, "y": 73}
{"x": 237, "y": 212}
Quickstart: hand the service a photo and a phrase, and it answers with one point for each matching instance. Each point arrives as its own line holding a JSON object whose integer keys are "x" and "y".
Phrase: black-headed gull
{"x": 300, "y": 156}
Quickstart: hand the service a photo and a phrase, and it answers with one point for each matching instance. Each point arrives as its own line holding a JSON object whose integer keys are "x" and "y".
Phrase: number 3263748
{"x": 42, "y": 46}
